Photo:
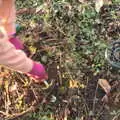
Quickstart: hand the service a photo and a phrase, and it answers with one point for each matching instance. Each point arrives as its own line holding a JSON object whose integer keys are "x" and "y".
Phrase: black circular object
{"x": 112, "y": 54}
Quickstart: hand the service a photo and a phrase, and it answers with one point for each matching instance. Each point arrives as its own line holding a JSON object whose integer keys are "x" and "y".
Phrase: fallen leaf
{"x": 82, "y": 86}
{"x": 76, "y": 84}
{"x": 73, "y": 84}
{"x": 105, "y": 85}
{"x": 53, "y": 99}
{"x": 98, "y": 5}
{"x": 47, "y": 85}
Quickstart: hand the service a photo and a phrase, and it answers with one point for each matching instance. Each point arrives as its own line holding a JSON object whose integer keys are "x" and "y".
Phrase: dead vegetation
{"x": 70, "y": 38}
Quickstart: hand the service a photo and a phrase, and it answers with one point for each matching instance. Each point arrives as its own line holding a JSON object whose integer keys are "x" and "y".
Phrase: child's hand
{"x": 38, "y": 72}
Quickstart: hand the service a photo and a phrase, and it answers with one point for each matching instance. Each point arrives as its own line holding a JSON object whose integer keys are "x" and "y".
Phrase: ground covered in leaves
{"x": 69, "y": 38}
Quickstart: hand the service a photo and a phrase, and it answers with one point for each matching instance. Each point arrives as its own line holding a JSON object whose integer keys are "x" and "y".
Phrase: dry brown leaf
{"x": 105, "y": 85}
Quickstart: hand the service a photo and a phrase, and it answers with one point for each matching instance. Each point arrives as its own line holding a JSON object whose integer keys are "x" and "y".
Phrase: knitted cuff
{"x": 38, "y": 71}
{"x": 17, "y": 43}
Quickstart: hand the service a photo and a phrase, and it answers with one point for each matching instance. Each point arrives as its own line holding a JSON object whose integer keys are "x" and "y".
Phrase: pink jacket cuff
{"x": 38, "y": 71}
{"x": 17, "y": 43}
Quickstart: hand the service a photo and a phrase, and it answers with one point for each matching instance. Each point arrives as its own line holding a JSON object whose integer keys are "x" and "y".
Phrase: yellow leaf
{"x": 76, "y": 84}
{"x": 73, "y": 84}
{"x": 32, "y": 24}
{"x": 82, "y": 86}
{"x": 98, "y": 5}
{"x": 33, "y": 49}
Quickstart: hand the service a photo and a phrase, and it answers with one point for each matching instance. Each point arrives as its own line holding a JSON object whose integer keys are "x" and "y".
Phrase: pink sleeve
{"x": 15, "y": 59}
{"x": 9, "y": 56}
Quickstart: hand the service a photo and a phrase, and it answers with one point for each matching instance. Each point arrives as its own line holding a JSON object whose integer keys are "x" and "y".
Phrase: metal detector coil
{"x": 112, "y": 54}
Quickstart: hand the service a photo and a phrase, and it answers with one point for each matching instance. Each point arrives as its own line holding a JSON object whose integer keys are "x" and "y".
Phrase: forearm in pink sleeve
{"x": 15, "y": 59}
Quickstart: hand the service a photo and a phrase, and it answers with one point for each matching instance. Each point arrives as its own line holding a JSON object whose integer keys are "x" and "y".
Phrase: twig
{"x": 34, "y": 93}
{"x": 94, "y": 101}
{"x": 29, "y": 11}
{"x": 14, "y": 116}
{"x": 8, "y": 102}
{"x": 100, "y": 111}
{"x": 59, "y": 73}
{"x": 4, "y": 113}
